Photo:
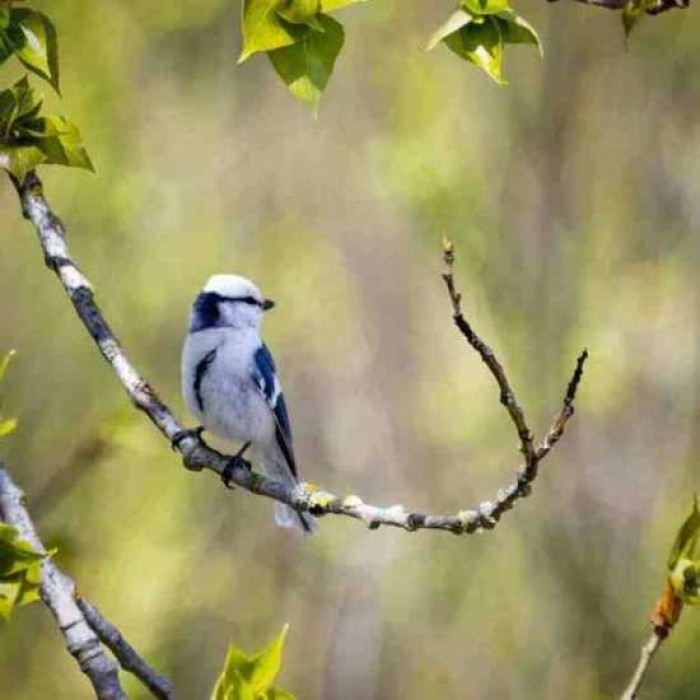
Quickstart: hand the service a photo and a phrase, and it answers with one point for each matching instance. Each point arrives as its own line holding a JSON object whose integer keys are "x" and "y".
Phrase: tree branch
{"x": 57, "y": 591}
{"x": 81, "y": 624}
{"x": 657, "y": 8}
{"x": 127, "y": 656}
{"x": 198, "y": 456}
{"x": 648, "y": 651}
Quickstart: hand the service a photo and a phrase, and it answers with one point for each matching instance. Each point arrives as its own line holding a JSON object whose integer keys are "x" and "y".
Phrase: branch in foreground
{"x": 80, "y": 630}
{"x": 198, "y": 456}
{"x": 648, "y": 651}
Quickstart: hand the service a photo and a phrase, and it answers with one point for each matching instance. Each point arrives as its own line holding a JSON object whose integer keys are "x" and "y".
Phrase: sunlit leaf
{"x": 332, "y": 5}
{"x": 457, "y": 20}
{"x": 307, "y": 66}
{"x": 687, "y": 538}
{"x": 5, "y": 363}
{"x": 251, "y": 676}
{"x": 265, "y": 30}
{"x": 482, "y": 44}
{"x": 33, "y": 38}
{"x": 301, "y": 12}
{"x": 633, "y": 11}
{"x": 485, "y": 7}
{"x": 516, "y": 30}
{"x": 20, "y": 571}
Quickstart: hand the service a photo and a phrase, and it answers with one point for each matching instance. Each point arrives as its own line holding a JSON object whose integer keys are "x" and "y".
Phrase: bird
{"x": 230, "y": 382}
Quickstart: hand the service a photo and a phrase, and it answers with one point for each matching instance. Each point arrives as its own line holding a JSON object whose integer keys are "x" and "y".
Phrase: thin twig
{"x": 127, "y": 656}
{"x": 80, "y": 622}
{"x": 648, "y": 651}
{"x": 198, "y": 456}
{"x": 490, "y": 360}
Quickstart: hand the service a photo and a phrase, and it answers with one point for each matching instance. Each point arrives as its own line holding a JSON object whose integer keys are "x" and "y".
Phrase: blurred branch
{"x": 657, "y": 8}
{"x": 198, "y": 456}
{"x": 127, "y": 656}
{"x": 648, "y": 651}
{"x": 81, "y": 624}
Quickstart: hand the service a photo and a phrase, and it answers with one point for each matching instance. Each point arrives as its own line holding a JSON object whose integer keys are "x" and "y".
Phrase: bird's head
{"x": 228, "y": 301}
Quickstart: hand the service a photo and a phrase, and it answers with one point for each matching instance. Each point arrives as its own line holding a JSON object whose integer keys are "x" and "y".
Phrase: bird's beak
{"x": 268, "y": 304}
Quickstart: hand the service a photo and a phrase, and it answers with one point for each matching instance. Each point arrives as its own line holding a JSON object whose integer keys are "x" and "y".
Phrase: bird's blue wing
{"x": 265, "y": 377}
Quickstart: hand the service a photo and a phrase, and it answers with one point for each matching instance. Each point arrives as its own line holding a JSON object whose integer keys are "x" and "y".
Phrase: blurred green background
{"x": 573, "y": 197}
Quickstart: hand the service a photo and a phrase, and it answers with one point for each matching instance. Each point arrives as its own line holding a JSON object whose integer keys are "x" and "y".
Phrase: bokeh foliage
{"x": 573, "y": 200}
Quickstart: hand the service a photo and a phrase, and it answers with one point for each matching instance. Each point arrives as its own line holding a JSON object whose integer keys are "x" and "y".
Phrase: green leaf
{"x": 485, "y": 7}
{"x": 20, "y": 571}
{"x": 333, "y": 5}
{"x": 516, "y": 30}
{"x": 633, "y": 11}
{"x": 302, "y": 12}
{"x": 482, "y": 44}
{"x": 19, "y": 160}
{"x": 33, "y": 38}
{"x": 265, "y": 30}
{"x": 686, "y": 539}
{"x": 307, "y": 66}
{"x": 7, "y": 426}
{"x": 16, "y": 103}
{"x": 5, "y": 363}
{"x": 457, "y": 20}
{"x": 250, "y": 676}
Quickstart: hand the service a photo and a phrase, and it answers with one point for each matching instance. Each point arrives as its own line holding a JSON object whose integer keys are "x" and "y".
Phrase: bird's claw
{"x": 181, "y": 435}
{"x": 236, "y": 462}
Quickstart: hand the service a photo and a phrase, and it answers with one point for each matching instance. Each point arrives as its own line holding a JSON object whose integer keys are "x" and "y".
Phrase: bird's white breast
{"x": 231, "y": 404}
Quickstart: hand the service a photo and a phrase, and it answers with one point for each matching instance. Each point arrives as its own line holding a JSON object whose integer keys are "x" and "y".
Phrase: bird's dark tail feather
{"x": 289, "y": 518}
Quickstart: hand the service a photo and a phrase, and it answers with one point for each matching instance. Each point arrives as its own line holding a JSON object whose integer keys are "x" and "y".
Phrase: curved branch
{"x": 127, "y": 656}
{"x": 58, "y": 592}
{"x": 81, "y": 623}
{"x": 198, "y": 456}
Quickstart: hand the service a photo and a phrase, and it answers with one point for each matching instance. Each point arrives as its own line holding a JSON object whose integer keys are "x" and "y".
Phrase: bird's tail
{"x": 290, "y": 518}
{"x": 284, "y": 515}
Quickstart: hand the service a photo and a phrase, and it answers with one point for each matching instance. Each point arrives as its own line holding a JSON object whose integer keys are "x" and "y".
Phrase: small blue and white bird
{"x": 230, "y": 383}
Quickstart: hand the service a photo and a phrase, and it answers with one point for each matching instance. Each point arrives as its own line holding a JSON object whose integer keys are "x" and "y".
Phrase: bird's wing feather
{"x": 265, "y": 378}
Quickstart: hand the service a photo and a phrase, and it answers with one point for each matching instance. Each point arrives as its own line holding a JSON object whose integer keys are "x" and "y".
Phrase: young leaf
{"x": 20, "y": 571}
{"x": 516, "y": 30}
{"x": 482, "y": 44}
{"x": 485, "y": 7}
{"x": 457, "y": 20}
{"x": 307, "y": 66}
{"x": 686, "y": 539}
{"x": 5, "y": 363}
{"x": 333, "y": 5}
{"x": 251, "y": 675}
{"x": 9, "y": 424}
{"x": 265, "y": 30}
{"x": 301, "y": 12}
{"x": 33, "y": 38}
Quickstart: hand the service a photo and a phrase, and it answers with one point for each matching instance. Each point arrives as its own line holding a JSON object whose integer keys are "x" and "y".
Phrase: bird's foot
{"x": 236, "y": 462}
{"x": 181, "y": 435}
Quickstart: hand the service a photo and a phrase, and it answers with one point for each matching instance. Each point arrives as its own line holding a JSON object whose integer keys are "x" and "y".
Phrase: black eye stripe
{"x": 243, "y": 300}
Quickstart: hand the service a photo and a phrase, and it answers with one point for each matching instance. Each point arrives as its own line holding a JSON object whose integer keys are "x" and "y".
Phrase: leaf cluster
{"x": 7, "y": 425}
{"x": 27, "y": 137}
{"x": 683, "y": 564}
{"x": 478, "y": 32}
{"x": 20, "y": 571}
{"x": 300, "y": 38}
{"x": 31, "y": 37}
{"x": 251, "y": 676}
